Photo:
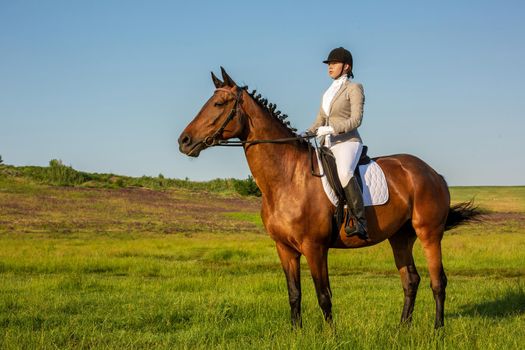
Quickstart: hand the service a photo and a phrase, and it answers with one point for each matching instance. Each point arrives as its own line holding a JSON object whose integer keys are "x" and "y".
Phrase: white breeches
{"x": 347, "y": 156}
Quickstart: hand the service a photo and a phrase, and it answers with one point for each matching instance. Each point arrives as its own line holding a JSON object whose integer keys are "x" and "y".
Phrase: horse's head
{"x": 219, "y": 118}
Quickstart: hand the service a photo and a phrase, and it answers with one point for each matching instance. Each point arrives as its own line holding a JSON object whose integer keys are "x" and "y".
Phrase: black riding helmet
{"x": 341, "y": 54}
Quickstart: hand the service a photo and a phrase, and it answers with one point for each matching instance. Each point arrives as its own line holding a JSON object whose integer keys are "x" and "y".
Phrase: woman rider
{"x": 339, "y": 117}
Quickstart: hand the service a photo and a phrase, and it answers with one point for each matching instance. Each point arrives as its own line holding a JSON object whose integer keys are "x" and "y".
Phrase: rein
{"x": 254, "y": 142}
{"x": 212, "y": 140}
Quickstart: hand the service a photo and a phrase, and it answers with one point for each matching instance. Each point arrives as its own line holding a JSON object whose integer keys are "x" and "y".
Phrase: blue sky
{"x": 107, "y": 86}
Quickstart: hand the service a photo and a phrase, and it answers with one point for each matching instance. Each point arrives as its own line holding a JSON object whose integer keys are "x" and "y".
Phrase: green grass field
{"x": 138, "y": 268}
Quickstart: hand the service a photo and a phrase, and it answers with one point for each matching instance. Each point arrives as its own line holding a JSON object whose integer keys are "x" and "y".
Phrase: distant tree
{"x": 1, "y": 160}
{"x": 55, "y": 163}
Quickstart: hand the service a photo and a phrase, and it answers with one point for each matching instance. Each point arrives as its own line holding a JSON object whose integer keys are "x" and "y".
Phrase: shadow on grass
{"x": 511, "y": 303}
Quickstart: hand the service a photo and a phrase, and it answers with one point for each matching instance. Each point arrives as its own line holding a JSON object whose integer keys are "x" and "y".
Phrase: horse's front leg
{"x": 291, "y": 266}
{"x": 317, "y": 257}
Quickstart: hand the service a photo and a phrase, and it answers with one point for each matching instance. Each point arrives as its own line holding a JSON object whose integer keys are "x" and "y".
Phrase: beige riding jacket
{"x": 346, "y": 113}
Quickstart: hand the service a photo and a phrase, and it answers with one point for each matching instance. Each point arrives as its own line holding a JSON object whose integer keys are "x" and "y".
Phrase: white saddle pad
{"x": 375, "y": 189}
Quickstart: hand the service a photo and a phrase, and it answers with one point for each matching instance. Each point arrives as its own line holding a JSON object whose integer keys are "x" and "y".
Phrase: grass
{"x": 176, "y": 268}
{"x": 493, "y": 198}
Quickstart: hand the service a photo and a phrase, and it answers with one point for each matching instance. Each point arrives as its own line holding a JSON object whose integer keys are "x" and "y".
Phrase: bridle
{"x": 213, "y": 140}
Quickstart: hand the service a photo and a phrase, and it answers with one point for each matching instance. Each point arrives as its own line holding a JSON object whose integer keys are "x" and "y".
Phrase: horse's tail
{"x": 462, "y": 213}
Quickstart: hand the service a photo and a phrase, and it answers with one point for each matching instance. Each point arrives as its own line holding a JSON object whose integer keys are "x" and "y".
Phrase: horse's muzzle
{"x": 189, "y": 146}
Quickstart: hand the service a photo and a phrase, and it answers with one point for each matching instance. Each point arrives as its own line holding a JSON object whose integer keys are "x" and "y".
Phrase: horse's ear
{"x": 227, "y": 80}
{"x": 216, "y": 81}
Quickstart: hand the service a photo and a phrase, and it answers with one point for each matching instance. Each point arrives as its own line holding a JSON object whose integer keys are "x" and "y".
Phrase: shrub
{"x": 60, "y": 174}
{"x": 247, "y": 187}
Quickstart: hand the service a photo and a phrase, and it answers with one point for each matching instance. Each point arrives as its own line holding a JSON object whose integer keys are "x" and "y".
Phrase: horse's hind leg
{"x": 431, "y": 242}
{"x": 402, "y": 243}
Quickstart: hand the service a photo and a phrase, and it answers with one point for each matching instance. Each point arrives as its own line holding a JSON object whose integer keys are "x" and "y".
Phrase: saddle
{"x": 330, "y": 170}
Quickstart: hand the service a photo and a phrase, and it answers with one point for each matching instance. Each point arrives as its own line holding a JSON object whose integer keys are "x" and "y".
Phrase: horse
{"x": 298, "y": 215}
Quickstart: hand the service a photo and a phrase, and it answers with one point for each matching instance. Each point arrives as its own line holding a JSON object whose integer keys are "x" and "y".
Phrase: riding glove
{"x": 324, "y": 130}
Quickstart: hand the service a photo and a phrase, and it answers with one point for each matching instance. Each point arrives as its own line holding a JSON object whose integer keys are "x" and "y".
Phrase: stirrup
{"x": 355, "y": 231}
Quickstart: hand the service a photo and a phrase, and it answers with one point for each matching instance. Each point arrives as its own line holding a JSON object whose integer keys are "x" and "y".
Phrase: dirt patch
{"x": 69, "y": 209}
{"x": 503, "y": 217}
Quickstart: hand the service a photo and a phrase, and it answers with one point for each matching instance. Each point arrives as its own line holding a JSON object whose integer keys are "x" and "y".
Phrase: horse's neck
{"x": 274, "y": 166}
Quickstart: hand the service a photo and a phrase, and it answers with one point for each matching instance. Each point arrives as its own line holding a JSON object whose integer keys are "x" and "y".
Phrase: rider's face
{"x": 334, "y": 69}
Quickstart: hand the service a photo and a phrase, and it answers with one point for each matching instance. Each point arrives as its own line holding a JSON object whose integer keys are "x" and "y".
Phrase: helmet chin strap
{"x": 342, "y": 70}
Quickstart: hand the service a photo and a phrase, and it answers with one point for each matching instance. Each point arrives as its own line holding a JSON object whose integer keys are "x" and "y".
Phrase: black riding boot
{"x": 354, "y": 200}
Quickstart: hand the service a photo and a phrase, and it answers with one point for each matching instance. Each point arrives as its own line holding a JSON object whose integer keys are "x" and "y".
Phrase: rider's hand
{"x": 305, "y": 133}
{"x": 324, "y": 130}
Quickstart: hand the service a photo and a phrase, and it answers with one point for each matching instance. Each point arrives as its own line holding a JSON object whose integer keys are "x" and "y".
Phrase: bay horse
{"x": 298, "y": 215}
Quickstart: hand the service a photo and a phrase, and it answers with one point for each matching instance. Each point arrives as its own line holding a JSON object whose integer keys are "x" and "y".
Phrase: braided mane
{"x": 272, "y": 109}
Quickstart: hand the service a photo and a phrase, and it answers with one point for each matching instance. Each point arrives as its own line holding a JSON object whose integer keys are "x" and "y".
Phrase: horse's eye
{"x": 218, "y": 104}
